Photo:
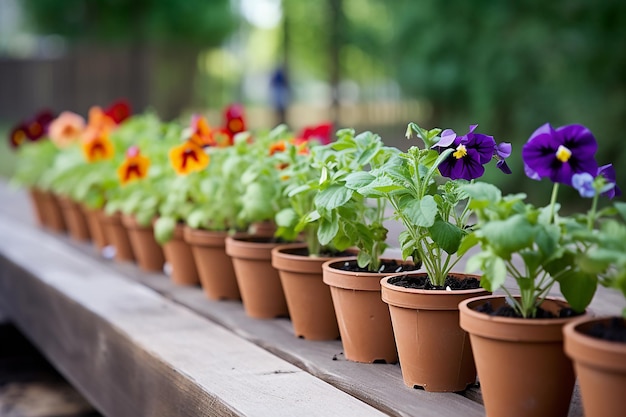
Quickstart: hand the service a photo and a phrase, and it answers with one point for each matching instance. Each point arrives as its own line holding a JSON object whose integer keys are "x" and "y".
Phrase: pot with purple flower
{"x": 423, "y": 186}
{"x": 534, "y": 248}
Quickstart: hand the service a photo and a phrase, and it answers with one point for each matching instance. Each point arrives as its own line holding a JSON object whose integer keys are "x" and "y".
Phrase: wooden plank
{"x": 132, "y": 352}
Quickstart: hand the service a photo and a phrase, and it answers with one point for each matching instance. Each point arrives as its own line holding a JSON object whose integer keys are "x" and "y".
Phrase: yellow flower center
{"x": 563, "y": 154}
{"x": 460, "y": 152}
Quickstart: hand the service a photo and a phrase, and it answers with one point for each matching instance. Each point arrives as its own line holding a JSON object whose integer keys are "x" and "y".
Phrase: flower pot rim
{"x": 413, "y": 298}
{"x": 242, "y": 239}
{"x": 584, "y": 348}
{"x": 509, "y": 328}
{"x": 236, "y": 247}
{"x": 283, "y": 260}
{"x": 354, "y": 280}
{"x": 384, "y": 283}
{"x": 204, "y": 237}
{"x": 130, "y": 221}
{"x": 501, "y": 319}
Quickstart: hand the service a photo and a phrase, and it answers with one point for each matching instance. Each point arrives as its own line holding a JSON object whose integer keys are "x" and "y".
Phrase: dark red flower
{"x": 321, "y": 133}
{"x": 119, "y": 111}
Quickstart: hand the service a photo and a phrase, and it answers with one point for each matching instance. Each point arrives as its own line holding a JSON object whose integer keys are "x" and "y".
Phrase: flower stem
{"x": 555, "y": 192}
{"x": 592, "y": 212}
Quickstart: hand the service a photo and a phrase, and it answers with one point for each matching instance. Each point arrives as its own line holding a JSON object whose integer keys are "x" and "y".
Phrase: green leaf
{"x": 359, "y": 179}
{"x": 286, "y": 217}
{"x": 469, "y": 241}
{"x": 164, "y": 229}
{"x": 144, "y": 217}
{"x": 621, "y": 209}
{"x": 482, "y": 192}
{"x": 327, "y": 230}
{"x": 446, "y": 235}
{"x": 363, "y": 259}
{"x": 333, "y": 197}
{"x": 381, "y": 184}
{"x": 510, "y": 235}
{"x": 547, "y": 238}
{"x": 422, "y": 212}
{"x": 578, "y": 288}
{"x": 495, "y": 269}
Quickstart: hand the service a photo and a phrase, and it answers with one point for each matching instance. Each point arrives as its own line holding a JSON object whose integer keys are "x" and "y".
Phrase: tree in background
{"x": 164, "y": 37}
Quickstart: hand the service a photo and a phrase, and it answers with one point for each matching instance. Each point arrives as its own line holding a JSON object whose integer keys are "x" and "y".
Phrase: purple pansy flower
{"x": 471, "y": 152}
{"x": 583, "y": 182}
{"x": 608, "y": 172}
{"x": 503, "y": 151}
{"x": 560, "y": 153}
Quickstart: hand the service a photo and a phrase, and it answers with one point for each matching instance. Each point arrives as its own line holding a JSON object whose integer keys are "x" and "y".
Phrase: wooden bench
{"x": 135, "y": 344}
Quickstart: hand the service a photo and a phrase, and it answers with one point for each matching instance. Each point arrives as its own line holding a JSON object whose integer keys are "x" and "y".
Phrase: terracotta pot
{"x": 434, "y": 351}
{"x": 74, "y": 219}
{"x": 215, "y": 268}
{"x": 53, "y": 217}
{"x": 266, "y": 228}
{"x": 178, "y": 254}
{"x": 308, "y": 298}
{"x": 37, "y": 202}
{"x": 363, "y": 318}
{"x": 261, "y": 290}
{"x": 522, "y": 368}
{"x": 117, "y": 235}
{"x": 96, "y": 228}
{"x": 148, "y": 253}
{"x": 600, "y": 366}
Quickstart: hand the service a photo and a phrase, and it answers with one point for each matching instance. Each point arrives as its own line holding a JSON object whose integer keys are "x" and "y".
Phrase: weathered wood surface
{"x": 132, "y": 352}
{"x": 378, "y": 385}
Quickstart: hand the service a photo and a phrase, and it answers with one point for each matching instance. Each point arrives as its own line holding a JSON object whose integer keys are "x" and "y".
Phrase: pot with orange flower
{"x": 35, "y": 155}
{"x": 211, "y": 172}
{"x": 143, "y": 177}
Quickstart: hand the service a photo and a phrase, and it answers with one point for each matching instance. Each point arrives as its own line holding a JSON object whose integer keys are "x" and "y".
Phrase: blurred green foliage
{"x": 512, "y": 66}
{"x": 205, "y": 22}
{"x": 508, "y": 66}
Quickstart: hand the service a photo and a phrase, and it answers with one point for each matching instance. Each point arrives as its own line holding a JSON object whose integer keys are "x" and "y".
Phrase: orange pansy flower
{"x": 97, "y": 122}
{"x": 279, "y": 146}
{"x": 201, "y": 133}
{"x": 66, "y": 129}
{"x": 98, "y": 148}
{"x": 134, "y": 167}
{"x": 188, "y": 157}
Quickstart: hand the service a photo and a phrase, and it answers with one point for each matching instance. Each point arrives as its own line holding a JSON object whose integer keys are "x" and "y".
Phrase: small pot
{"x": 261, "y": 290}
{"x": 600, "y": 366}
{"x": 148, "y": 252}
{"x": 215, "y": 268}
{"x": 52, "y": 216}
{"x": 363, "y": 318}
{"x": 434, "y": 351}
{"x": 522, "y": 368}
{"x": 117, "y": 235}
{"x": 74, "y": 219}
{"x": 308, "y": 298}
{"x": 37, "y": 202}
{"x": 178, "y": 254}
{"x": 96, "y": 228}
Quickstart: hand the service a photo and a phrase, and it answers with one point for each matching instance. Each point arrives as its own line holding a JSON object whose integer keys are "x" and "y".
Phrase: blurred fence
{"x": 74, "y": 81}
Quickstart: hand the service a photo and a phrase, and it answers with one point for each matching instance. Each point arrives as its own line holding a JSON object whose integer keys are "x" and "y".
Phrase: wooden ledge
{"x": 135, "y": 344}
